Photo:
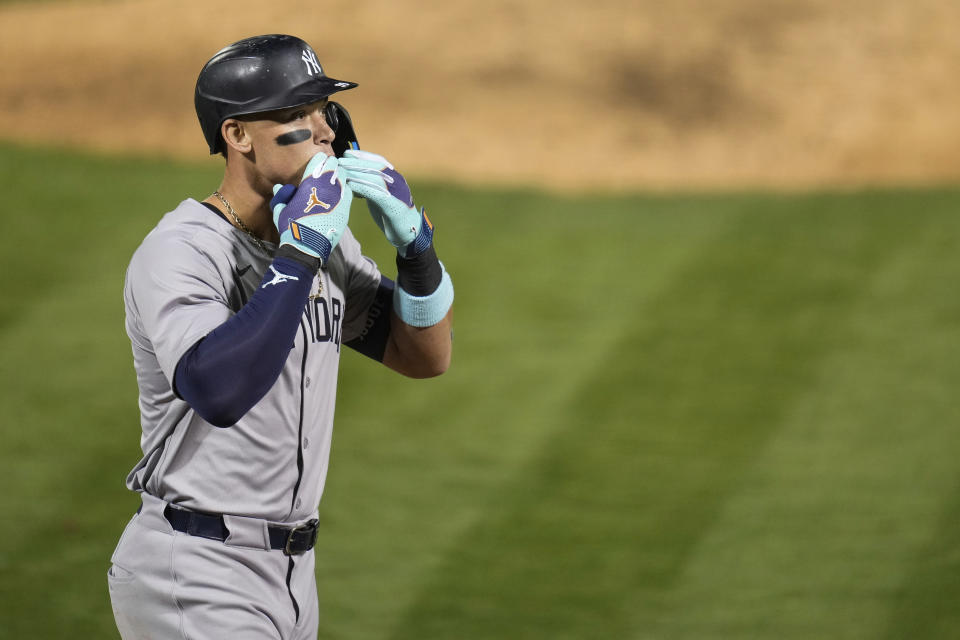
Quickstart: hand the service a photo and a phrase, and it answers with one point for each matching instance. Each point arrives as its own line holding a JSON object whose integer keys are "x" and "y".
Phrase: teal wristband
{"x": 424, "y": 311}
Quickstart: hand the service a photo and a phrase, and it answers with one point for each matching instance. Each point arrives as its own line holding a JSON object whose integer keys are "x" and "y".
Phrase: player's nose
{"x": 322, "y": 132}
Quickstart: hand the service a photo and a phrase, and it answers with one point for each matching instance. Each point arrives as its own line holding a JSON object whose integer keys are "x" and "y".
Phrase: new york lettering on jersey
{"x": 323, "y": 319}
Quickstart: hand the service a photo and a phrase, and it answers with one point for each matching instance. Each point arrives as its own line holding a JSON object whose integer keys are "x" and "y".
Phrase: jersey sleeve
{"x": 178, "y": 296}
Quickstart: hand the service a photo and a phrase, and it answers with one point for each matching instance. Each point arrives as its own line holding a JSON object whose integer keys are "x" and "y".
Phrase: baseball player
{"x": 236, "y": 309}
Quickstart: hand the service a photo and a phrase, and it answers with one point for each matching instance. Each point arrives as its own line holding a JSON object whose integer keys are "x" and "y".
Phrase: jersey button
{"x": 297, "y": 503}
{"x": 306, "y": 442}
{"x": 307, "y": 381}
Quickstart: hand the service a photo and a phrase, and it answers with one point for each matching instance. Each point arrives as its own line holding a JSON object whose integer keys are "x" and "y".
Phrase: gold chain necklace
{"x": 246, "y": 229}
{"x": 239, "y": 222}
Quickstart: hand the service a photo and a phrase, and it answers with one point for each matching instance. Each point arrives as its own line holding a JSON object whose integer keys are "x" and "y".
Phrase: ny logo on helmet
{"x": 310, "y": 59}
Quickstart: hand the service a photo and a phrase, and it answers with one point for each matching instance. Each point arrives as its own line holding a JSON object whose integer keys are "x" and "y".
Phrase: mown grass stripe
{"x": 823, "y": 526}
{"x": 611, "y": 509}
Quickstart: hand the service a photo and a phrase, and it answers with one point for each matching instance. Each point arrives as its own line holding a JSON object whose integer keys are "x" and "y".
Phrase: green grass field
{"x": 710, "y": 416}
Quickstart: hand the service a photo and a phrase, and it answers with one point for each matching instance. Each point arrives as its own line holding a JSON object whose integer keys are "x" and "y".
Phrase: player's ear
{"x": 235, "y": 135}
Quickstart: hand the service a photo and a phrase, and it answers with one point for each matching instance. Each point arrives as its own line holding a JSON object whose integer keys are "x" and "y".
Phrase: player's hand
{"x": 389, "y": 199}
{"x": 313, "y": 216}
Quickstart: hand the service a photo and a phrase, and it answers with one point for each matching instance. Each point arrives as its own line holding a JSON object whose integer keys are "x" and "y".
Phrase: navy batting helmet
{"x": 259, "y": 74}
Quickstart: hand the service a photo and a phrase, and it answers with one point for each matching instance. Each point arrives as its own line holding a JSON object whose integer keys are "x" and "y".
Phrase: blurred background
{"x": 612, "y": 93}
{"x": 706, "y": 319}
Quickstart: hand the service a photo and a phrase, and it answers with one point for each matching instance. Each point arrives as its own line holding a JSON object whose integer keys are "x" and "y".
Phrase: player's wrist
{"x": 424, "y": 291}
{"x": 420, "y": 274}
{"x": 307, "y": 241}
{"x": 427, "y": 310}
{"x": 291, "y": 252}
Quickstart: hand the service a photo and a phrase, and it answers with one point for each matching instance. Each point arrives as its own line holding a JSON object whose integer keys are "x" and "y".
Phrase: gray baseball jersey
{"x": 190, "y": 274}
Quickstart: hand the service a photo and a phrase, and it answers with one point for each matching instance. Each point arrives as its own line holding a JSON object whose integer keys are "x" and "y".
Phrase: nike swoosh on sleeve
{"x": 238, "y": 282}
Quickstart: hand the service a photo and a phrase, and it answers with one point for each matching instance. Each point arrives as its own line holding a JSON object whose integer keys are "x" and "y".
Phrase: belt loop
{"x": 247, "y": 532}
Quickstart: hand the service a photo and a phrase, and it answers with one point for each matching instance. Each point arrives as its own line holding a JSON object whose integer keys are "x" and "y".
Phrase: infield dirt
{"x": 605, "y": 94}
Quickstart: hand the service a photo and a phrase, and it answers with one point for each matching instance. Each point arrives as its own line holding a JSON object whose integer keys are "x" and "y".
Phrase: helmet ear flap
{"x": 339, "y": 120}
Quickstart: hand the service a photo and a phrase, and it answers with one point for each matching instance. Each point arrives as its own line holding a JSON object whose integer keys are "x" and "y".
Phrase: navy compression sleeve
{"x": 255, "y": 342}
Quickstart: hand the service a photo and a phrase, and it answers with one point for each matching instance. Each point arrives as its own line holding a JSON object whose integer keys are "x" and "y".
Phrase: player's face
{"x": 285, "y": 140}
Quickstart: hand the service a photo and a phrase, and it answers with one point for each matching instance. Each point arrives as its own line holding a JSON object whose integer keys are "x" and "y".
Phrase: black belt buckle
{"x": 301, "y": 539}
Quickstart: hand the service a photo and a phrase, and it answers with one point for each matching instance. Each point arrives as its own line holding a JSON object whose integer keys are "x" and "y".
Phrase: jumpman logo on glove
{"x": 314, "y": 201}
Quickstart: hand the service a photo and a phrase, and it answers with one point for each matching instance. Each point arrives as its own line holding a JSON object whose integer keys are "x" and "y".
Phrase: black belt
{"x": 293, "y": 541}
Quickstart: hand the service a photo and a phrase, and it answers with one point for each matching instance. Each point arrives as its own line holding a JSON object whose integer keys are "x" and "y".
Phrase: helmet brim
{"x": 313, "y": 91}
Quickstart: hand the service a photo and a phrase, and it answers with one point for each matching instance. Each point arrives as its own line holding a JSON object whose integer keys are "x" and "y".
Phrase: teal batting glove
{"x": 313, "y": 216}
{"x": 389, "y": 199}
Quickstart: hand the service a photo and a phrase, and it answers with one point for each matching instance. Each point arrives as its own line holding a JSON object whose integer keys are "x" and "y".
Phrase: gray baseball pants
{"x": 167, "y": 585}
